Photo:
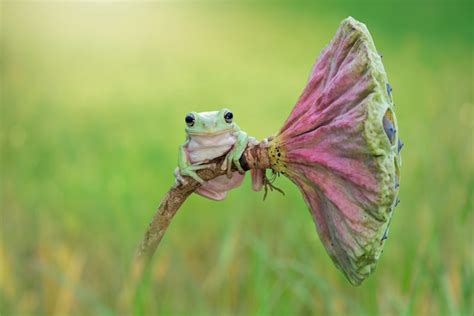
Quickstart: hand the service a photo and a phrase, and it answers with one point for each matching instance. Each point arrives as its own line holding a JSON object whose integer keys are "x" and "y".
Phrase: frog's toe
{"x": 194, "y": 175}
{"x": 190, "y": 173}
{"x": 204, "y": 166}
{"x": 229, "y": 170}
{"x": 236, "y": 162}
{"x": 226, "y": 162}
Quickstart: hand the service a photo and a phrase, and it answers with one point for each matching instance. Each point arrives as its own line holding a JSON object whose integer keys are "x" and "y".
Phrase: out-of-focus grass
{"x": 92, "y": 106}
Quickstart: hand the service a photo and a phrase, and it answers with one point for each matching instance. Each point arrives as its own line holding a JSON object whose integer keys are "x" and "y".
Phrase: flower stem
{"x": 254, "y": 157}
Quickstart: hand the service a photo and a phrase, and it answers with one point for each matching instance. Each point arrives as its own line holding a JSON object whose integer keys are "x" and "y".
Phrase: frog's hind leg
{"x": 217, "y": 188}
{"x": 213, "y": 195}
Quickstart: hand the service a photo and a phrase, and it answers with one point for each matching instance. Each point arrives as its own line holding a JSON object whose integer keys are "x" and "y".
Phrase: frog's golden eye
{"x": 228, "y": 117}
{"x": 189, "y": 119}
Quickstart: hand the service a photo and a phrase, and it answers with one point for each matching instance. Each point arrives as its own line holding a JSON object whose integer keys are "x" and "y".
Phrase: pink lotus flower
{"x": 340, "y": 147}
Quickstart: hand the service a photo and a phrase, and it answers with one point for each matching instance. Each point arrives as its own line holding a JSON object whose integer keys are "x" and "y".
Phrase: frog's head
{"x": 209, "y": 123}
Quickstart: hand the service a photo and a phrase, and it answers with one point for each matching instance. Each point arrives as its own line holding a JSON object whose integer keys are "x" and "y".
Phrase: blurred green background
{"x": 93, "y": 97}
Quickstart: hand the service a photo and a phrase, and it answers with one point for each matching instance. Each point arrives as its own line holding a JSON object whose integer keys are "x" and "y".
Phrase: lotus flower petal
{"x": 339, "y": 145}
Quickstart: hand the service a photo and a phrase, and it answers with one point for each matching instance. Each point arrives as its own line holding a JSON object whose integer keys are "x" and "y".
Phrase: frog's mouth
{"x": 210, "y": 132}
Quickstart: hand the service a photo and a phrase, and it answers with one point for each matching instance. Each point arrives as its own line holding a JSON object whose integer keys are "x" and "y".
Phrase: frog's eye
{"x": 228, "y": 117}
{"x": 189, "y": 119}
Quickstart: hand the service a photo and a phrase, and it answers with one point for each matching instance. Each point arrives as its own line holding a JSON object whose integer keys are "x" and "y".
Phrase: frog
{"x": 210, "y": 135}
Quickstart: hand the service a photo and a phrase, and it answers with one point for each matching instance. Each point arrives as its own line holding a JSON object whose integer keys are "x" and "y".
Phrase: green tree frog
{"x": 210, "y": 135}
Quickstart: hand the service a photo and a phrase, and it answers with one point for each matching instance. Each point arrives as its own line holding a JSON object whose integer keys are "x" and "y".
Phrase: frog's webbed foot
{"x": 179, "y": 178}
{"x": 190, "y": 171}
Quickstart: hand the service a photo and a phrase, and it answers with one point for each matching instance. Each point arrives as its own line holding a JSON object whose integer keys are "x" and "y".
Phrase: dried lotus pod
{"x": 340, "y": 146}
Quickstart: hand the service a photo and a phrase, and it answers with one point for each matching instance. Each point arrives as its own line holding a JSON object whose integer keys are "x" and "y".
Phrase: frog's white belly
{"x": 201, "y": 148}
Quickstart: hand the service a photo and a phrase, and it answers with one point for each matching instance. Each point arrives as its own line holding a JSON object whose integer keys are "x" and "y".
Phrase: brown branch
{"x": 254, "y": 157}
{"x": 168, "y": 207}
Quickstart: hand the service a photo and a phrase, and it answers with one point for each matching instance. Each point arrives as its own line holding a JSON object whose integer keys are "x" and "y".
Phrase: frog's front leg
{"x": 188, "y": 169}
{"x": 233, "y": 157}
